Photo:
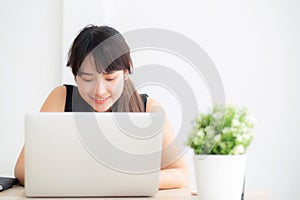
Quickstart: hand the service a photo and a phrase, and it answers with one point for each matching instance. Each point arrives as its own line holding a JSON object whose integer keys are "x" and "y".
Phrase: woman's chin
{"x": 102, "y": 108}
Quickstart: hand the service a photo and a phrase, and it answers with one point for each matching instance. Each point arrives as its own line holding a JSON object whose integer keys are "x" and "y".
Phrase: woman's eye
{"x": 110, "y": 78}
{"x": 87, "y": 80}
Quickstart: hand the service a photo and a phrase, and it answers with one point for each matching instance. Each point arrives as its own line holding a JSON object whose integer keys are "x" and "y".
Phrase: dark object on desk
{"x": 7, "y": 182}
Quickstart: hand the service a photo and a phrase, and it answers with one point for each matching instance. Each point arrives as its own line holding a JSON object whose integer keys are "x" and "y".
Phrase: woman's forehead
{"x": 88, "y": 65}
{"x": 89, "y": 68}
{"x": 88, "y": 61}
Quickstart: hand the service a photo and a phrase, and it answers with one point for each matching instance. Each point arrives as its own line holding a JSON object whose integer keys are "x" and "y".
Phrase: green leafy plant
{"x": 223, "y": 130}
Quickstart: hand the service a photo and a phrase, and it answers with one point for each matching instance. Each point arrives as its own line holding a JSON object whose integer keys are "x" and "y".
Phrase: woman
{"x": 100, "y": 62}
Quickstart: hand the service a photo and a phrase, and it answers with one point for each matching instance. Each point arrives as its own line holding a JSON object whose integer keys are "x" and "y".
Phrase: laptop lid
{"x": 92, "y": 154}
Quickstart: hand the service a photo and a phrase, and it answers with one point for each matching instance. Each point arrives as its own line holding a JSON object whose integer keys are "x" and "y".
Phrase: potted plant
{"x": 219, "y": 139}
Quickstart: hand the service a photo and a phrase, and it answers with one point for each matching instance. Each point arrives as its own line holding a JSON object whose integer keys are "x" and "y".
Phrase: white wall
{"x": 76, "y": 15}
{"x": 30, "y": 54}
{"x": 254, "y": 45}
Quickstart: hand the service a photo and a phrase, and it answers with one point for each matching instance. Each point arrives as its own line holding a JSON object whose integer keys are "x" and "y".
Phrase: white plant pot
{"x": 219, "y": 177}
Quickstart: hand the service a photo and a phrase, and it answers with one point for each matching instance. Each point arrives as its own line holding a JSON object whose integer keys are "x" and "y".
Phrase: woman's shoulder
{"x": 55, "y": 101}
{"x": 152, "y": 105}
{"x": 59, "y": 91}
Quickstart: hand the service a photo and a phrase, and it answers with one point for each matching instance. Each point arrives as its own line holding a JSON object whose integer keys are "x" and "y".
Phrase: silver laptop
{"x": 92, "y": 154}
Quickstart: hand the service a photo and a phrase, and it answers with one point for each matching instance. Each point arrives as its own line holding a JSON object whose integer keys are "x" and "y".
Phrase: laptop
{"x": 92, "y": 154}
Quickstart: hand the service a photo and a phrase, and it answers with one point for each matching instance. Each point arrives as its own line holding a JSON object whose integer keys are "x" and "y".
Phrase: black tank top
{"x": 75, "y": 103}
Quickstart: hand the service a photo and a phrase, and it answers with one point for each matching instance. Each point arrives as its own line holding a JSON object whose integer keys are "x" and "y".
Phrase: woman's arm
{"x": 55, "y": 102}
{"x": 176, "y": 173}
{"x": 173, "y": 178}
{"x": 19, "y": 168}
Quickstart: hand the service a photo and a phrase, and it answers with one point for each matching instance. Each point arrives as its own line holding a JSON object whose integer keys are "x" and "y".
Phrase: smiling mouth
{"x": 100, "y": 100}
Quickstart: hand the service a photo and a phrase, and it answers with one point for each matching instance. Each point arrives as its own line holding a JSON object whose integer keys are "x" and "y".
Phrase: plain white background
{"x": 255, "y": 46}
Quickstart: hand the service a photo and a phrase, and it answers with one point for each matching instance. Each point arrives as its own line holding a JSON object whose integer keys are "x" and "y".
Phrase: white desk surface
{"x": 17, "y": 193}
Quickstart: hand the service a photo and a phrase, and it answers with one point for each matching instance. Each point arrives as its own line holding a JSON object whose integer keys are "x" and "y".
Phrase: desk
{"x": 17, "y": 193}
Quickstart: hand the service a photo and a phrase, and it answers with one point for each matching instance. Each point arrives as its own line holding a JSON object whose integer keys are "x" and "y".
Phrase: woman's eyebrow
{"x": 85, "y": 73}
{"x": 110, "y": 72}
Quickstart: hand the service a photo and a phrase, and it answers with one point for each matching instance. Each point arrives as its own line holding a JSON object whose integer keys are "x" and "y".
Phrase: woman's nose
{"x": 100, "y": 87}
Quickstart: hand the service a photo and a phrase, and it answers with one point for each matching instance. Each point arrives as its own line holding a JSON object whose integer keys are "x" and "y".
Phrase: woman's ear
{"x": 126, "y": 74}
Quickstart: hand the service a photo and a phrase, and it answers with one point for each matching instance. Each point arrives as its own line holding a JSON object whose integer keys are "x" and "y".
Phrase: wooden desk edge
{"x": 174, "y": 194}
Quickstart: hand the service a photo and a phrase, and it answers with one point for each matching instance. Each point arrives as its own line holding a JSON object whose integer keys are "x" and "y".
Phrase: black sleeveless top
{"x": 75, "y": 103}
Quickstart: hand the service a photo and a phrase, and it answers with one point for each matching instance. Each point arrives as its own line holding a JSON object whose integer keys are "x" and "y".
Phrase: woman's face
{"x": 99, "y": 90}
